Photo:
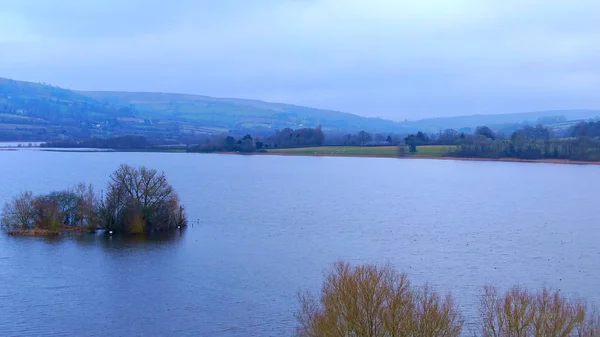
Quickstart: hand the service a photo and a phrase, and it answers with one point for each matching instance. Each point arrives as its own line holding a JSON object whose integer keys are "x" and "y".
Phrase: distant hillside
{"x": 39, "y": 111}
{"x": 236, "y": 114}
{"x": 33, "y": 111}
{"x": 498, "y": 120}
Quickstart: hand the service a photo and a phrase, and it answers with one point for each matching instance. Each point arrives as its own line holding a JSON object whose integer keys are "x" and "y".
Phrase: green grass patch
{"x": 375, "y": 151}
{"x": 433, "y": 150}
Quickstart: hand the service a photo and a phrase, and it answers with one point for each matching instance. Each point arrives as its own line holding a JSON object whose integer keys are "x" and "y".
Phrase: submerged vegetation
{"x": 371, "y": 301}
{"x": 138, "y": 200}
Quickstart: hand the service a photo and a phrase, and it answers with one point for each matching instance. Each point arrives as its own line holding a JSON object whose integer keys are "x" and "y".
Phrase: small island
{"x": 137, "y": 201}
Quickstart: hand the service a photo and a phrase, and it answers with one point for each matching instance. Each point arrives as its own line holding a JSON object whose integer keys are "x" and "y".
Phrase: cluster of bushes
{"x": 138, "y": 200}
{"x": 50, "y": 213}
{"x": 370, "y": 301}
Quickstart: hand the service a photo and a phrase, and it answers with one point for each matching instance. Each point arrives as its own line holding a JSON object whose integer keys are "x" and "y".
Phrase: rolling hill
{"x": 237, "y": 114}
{"x": 34, "y": 111}
{"x": 498, "y": 121}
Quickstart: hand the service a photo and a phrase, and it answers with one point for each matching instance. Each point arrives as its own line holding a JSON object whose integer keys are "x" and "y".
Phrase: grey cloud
{"x": 375, "y": 57}
{"x": 94, "y": 18}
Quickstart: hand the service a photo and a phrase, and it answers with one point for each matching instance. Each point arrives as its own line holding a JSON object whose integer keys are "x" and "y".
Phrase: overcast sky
{"x": 389, "y": 58}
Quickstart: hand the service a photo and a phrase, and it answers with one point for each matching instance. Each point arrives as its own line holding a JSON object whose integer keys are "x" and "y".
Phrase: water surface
{"x": 265, "y": 227}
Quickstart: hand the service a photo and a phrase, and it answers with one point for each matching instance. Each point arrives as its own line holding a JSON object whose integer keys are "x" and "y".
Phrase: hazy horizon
{"x": 379, "y": 58}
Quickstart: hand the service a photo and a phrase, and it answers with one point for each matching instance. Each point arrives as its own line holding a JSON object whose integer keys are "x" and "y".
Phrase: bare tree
{"x": 87, "y": 206}
{"x": 370, "y": 301}
{"x": 47, "y": 213}
{"x": 18, "y": 213}
{"x": 590, "y": 327}
{"x": 140, "y": 200}
{"x": 522, "y": 313}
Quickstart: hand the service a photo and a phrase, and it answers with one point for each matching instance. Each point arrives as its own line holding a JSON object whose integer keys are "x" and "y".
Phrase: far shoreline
{"x": 301, "y": 154}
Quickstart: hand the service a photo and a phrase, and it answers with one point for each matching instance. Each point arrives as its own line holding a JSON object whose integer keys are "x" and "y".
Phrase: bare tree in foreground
{"x": 370, "y": 301}
{"x": 522, "y": 313}
{"x": 375, "y": 301}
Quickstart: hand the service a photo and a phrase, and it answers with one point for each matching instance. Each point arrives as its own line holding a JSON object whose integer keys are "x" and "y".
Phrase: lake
{"x": 264, "y": 227}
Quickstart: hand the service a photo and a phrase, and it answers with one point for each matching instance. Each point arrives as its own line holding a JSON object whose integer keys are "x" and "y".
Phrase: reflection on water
{"x": 118, "y": 240}
{"x": 101, "y": 238}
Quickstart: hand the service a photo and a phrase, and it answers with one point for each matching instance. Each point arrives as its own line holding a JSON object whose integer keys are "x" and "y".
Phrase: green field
{"x": 367, "y": 151}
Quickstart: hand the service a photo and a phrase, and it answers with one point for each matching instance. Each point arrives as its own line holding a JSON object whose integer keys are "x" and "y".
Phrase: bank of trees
{"x": 581, "y": 149}
{"x": 288, "y": 138}
{"x": 582, "y": 143}
{"x": 138, "y": 200}
{"x": 362, "y": 138}
{"x": 536, "y": 143}
{"x": 586, "y": 129}
{"x": 371, "y": 301}
{"x": 244, "y": 144}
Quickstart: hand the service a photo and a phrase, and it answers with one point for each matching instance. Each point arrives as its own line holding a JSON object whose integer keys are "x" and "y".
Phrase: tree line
{"x": 137, "y": 201}
{"x": 245, "y": 144}
{"x": 371, "y": 301}
{"x": 582, "y": 144}
{"x": 289, "y": 138}
{"x": 280, "y": 139}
